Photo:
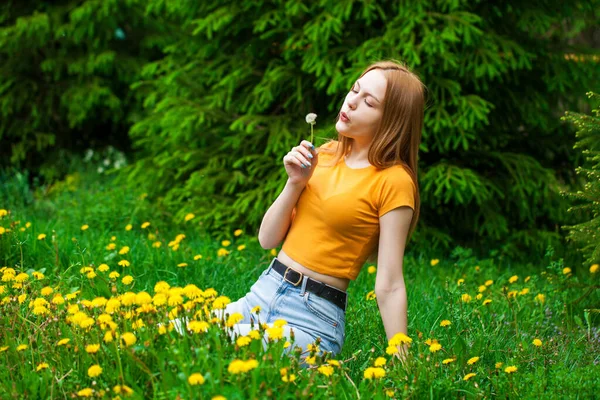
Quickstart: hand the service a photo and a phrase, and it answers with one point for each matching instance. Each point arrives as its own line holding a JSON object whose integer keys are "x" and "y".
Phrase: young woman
{"x": 351, "y": 200}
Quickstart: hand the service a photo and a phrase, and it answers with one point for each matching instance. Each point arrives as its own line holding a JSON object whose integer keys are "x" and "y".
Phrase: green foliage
{"x": 534, "y": 306}
{"x": 585, "y": 234}
{"x": 228, "y": 99}
{"x": 64, "y": 76}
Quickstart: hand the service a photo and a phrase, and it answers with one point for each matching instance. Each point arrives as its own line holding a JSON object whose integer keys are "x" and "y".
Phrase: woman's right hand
{"x": 297, "y": 156}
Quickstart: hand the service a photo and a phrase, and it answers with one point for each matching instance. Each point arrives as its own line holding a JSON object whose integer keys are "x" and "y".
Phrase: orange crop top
{"x": 335, "y": 224}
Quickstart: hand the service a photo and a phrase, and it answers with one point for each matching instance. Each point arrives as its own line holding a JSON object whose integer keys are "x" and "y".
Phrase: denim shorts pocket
{"x": 322, "y": 308}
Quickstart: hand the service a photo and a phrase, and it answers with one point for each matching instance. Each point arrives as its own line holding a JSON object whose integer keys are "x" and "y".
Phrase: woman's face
{"x": 363, "y": 107}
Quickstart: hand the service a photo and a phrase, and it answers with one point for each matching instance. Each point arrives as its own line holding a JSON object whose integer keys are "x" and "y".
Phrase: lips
{"x": 344, "y": 117}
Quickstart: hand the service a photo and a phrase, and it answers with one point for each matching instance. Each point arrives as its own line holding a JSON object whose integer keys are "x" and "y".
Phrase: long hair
{"x": 398, "y": 136}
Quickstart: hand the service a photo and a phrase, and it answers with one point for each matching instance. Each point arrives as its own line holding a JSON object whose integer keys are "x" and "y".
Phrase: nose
{"x": 352, "y": 102}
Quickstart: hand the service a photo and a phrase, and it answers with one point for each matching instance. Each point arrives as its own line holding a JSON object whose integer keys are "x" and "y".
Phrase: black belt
{"x": 321, "y": 289}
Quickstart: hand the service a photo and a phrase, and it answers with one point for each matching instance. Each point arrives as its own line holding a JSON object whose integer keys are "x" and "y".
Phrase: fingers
{"x": 301, "y": 155}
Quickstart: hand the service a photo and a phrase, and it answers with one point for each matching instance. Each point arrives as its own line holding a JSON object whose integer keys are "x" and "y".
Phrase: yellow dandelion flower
{"x": 62, "y": 342}
{"x": 594, "y": 268}
{"x": 41, "y": 366}
{"x": 124, "y": 250}
{"x": 460, "y": 282}
{"x": 128, "y": 227}
{"x": 122, "y": 389}
{"x": 113, "y": 238}
{"x": 243, "y": 341}
{"x": 479, "y": 296}
{"x": 389, "y": 393}
{"x": 435, "y": 347}
{"x": 241, "y": 247}
{"x": 85, "y": 227}
{"x": 541, "y": 298}
{"x": 225, "y": 243}
{"x": 196, "y": 379}
{"x": 513, "y": 279}
{"x": 114, "y": 275}
{"x": 326, "y": 370}
{"x": 22, "y": 298}
{"x": 399, "y": 338}
{"x": 512, "y": 293}
{"x": 94, "y": 371}
{"x": 489, "y": 282}
{"x": 374, "y": 373}
{"x": 37, "y": 275}
{"x": 108, "y": 337}
{"x": 240, "y": 366}
{"x": 197, "y": 257}
{"x": 371, "y": 295}
{"x": 156, "y": 244}
{"x": 565, "y": 271}
{"x": 311, "y": 360}
{"x": 510, "y": 369}
{"x": 445, "y": 323}
{"x": 238, "y": 232}
{"x": 111, "y": 246}
{"x": 288, "y": 378}
{"x": 198, "y": 326}
{"x": 537, "y": 342}
{"x": 380, "y": 362}
{"x": 337, "y": 363}
{"x": 472, "y": 360}
{"x": 255, "y": 310}
{"x": 434, "y": 262}
{"x": 465, "y": 298}
{"x": 92, "y": 348}
{"x": 3, "y": 212}
{"x": 145, "y": 225}
{"x": 222, "y": 252}
{"x": 275, "y": 333}
{"x": 87, "y": 392}
{"x": 498, "y": 365}
{"x": 482, "y": 288}
{"x": 189, "y": 217}
{"x": 486, "y": 302}
{"x": 469, "y": 376}
{"x": 254, "y": 334}
{"x": 181, "y": 265}
{"x": 372, "y": 269}
{"x": 127, "y": 279}
{"x": 46, "y": 291}
{"x": 279, "y": 323}
{"x": 220, "y": 302}
{"x": 41, "y": 236}
{"x": 128, "y": 338}
{"x": 234, "y": 319}
{"x": 448, "y": 360}
{"x": 273, "y": 252}
{"x": 524, "y": 291}
{"x": 21, "y": 347}
{"x": 124, "y": 263}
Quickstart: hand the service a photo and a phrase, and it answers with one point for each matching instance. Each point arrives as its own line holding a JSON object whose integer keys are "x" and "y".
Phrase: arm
{"x": 390, "y": 289}
{"x": 277, "y": 219}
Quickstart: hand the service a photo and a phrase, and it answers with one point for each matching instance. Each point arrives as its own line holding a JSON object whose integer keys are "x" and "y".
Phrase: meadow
{"x": 90, "y": 269}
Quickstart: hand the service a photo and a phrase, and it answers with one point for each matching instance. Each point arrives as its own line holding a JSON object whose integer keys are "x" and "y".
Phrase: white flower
{"x": 310, "y": 118}
{"x": 106, "y": 162}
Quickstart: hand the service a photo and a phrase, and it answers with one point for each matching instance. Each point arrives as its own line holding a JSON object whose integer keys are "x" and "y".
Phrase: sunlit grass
{"x": 92, "y": 274}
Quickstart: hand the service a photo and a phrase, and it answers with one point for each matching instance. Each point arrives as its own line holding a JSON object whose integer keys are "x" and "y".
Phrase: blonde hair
{"x": 398, "y": 136}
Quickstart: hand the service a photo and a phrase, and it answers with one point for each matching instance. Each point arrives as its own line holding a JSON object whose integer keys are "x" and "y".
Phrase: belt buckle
{"x": 287, "y": 280}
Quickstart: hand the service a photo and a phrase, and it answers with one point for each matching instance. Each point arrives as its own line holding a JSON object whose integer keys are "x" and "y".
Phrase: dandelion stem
{"x": 119, "y": 361}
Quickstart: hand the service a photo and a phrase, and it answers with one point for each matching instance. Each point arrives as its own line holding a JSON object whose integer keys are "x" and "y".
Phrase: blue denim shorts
{"x": 307, "y": 315}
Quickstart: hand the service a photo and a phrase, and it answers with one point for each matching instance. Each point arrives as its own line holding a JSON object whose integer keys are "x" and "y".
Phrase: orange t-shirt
{"x": 335, "y": 224}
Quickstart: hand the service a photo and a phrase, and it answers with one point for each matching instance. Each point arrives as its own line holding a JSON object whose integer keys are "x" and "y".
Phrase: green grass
{"x": 158, "y": 365}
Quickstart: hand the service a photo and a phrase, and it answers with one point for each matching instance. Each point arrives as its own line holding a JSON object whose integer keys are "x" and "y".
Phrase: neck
{"x": 359, "y": 152}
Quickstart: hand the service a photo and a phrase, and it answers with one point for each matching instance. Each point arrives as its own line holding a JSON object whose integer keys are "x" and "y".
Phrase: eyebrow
{"x": 368, "y": 94}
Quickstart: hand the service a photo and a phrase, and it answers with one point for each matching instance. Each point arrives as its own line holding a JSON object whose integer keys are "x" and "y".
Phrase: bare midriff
{"x": 340, "y": 283}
